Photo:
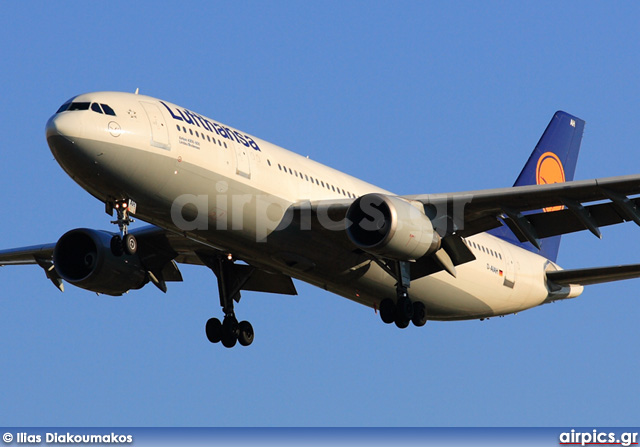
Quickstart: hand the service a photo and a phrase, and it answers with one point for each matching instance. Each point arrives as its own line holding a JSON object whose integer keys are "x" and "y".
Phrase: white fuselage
{"x": 230, "y": 190}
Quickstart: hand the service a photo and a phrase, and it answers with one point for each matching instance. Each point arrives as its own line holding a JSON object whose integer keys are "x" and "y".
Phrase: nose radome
{"x": 63, "y": 130}
{"x": 66, "y": 125}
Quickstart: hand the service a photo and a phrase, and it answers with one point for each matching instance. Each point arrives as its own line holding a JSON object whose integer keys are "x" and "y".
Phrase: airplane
{"x": 258, "y": 215}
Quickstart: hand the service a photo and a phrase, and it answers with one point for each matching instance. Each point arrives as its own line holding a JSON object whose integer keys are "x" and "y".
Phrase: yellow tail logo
{"x": 550, "y": 170}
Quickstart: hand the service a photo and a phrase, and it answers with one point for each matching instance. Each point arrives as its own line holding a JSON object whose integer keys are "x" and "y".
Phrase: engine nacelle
{"x": 83, "y": 257}
{"x": 391, "y": 227}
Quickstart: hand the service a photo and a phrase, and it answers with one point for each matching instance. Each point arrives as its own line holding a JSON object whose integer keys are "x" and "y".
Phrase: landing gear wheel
{"x": 419, "y": 314}
{"x": 387, "y": 311}
{"x": 116, "y": 245}
{"x": 228, "y": 340}
{"x": 245, "y": 333}
{"x": 229, "y": 332}
{"x": 402, "y": 324}
{"x": 130, "y": 244}
{"x": 213, "y": 329}
{"x": 404, "y": 309}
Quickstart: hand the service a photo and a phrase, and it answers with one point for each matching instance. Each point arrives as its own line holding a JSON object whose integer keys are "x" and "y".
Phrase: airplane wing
{"x": 471, "y": 212}
{"x": 576, "y": 206}
{"x": 26, "y": 255}
{"x": 159, "y": 250}
{"x": 468, "y": 213}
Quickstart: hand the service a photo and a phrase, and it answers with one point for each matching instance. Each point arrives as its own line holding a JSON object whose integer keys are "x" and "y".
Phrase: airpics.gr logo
{"x": 550, "y": 170}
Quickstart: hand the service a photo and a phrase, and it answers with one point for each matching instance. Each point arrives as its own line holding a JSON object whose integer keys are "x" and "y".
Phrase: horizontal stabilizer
{"x": 596, "y": 275}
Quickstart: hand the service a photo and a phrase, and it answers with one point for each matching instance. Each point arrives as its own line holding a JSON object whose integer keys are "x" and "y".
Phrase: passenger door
{"x": 159, "y": 131}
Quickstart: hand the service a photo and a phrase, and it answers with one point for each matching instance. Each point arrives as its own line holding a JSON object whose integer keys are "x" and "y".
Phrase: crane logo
{"x": 550, "y": 170}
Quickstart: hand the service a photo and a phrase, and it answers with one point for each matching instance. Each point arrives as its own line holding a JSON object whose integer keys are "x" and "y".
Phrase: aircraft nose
{"x": 64, "y": 132}
{"x": 65, "y": 125}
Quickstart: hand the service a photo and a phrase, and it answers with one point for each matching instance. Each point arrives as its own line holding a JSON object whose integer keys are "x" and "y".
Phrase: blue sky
{"x": 417, "y": 97}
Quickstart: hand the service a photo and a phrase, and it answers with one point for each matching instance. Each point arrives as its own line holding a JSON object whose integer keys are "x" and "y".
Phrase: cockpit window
{"x": 108, "y": 110}
{"x": 98, "y": 108}
{"x": 64, "y": 107}
{"x": 79, "y": 106}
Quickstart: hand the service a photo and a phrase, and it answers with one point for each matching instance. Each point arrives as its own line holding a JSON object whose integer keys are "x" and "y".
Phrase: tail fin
{"x": 552, "y": 161}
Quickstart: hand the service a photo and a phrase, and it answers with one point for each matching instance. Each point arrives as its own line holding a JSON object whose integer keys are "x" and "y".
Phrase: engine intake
{"x": 391, "y": 227}
{"x": 83, "y": 257}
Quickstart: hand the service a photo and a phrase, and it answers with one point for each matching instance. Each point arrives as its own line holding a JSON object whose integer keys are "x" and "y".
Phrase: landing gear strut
{"x": 125, "y": 242}
{"x": 403, "y": 311}
{"x": 231, "y": 278}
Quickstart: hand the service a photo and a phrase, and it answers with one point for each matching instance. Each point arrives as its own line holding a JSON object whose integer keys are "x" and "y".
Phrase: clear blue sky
{"x": 416, "y": 97}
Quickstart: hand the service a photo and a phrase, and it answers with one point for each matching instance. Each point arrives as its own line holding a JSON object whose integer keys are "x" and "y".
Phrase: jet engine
{"x": 84, "y": 258}
{"x": 391, "y": 227}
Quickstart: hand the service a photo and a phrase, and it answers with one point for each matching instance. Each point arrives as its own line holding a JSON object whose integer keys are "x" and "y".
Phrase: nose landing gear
{"x": 126, "y": 243}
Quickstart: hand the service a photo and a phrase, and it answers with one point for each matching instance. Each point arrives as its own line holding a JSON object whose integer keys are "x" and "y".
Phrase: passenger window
{"x": 108, "y": 110}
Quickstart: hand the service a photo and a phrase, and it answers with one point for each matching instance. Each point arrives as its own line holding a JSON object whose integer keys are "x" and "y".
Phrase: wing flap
{"x": 567, "y": 221}
{"x": 263, "y": 281}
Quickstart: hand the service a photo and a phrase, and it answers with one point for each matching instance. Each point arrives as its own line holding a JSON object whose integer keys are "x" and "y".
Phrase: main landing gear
{"x": 402, "y": 311}
{"x": 125, "y": 242}
{"x": 231, "y": 278}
